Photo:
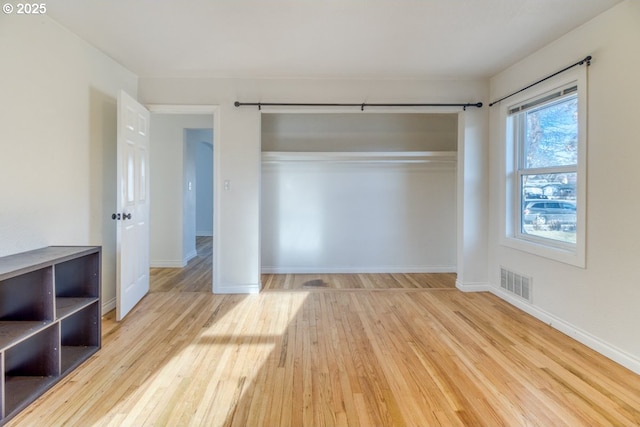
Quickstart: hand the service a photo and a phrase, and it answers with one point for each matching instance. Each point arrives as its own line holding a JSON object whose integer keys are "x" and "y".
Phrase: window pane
{"x": 549, "y": 206}
{"x": 552, "y": 134}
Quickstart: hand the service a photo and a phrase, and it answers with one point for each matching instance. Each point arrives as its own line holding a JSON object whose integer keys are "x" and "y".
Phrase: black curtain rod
{"x": 586, "y": 60}
{"x": 361, "y": 105}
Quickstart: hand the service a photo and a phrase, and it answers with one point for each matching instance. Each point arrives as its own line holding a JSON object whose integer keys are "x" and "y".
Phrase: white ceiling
{"x": 322, "y": 38}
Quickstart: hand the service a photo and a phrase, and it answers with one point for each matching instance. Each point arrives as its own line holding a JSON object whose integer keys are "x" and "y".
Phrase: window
{"x": 545, "y": 172}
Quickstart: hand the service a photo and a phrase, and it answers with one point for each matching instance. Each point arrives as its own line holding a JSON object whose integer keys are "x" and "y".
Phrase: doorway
{"x": 180, "y": 137}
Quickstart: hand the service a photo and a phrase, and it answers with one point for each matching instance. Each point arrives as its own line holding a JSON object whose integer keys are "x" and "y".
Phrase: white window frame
{"x": 573, "y": 254}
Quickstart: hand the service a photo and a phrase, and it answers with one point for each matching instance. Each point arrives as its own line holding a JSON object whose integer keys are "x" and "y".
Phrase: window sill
{"x": 575, "y": 256}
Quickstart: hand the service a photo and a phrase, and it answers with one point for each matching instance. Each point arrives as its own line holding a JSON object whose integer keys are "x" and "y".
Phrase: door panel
{"x": 133, "y": 204}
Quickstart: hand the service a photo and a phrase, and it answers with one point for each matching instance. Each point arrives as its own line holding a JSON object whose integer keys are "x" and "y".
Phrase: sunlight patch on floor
{"x": 213, "y": 371}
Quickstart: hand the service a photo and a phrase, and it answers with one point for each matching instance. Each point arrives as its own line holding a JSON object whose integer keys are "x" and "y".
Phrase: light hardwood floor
{"x": 324, "y": 356}
{"x": 290, "y": 282}
{"x": 196, "y": 277}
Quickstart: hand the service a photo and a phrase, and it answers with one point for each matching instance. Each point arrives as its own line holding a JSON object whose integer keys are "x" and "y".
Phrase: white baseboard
{"x": 362, "y": 269}
{"x": 107, "y": 306}
{"x": 617, "y": 355}
{"x": 173, "y": 263}
{"x": 612, "y": 352}
{"x": 237, "y": 288}
{"x": 473, "y": 287}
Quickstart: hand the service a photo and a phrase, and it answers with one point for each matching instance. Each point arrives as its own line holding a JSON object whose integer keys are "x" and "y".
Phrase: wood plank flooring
{"x": 404, "y": 356}
{"x": 196, "y": 277}
{"x": 289, "y": 282}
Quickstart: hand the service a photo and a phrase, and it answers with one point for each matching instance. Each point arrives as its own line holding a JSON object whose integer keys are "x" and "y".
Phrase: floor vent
{"x": 515, "y": 283}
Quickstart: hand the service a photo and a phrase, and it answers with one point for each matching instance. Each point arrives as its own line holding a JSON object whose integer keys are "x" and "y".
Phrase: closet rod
{"x": 361, "y": 105}
{"x": 586, "y": 60}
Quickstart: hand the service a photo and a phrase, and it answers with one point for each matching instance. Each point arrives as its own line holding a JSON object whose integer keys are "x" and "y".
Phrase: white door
{"x": 132, "y": 213}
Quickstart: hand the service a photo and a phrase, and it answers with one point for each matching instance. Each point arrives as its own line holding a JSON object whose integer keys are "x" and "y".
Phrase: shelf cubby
{"x": 30, "y": 367}
{"x": 27, "y": 297}
{"x": 78, "y": 277}
{"x": 79, "y": 336}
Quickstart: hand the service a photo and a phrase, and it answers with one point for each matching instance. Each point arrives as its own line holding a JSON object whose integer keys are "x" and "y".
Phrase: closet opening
{"x": 359, "y": 192}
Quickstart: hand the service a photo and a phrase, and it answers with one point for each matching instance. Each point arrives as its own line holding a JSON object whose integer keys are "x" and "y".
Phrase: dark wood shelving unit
{"x": 49, "y": 320}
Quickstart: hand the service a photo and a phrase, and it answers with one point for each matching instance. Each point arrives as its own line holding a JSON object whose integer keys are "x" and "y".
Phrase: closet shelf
{"x": 360, "y": 156}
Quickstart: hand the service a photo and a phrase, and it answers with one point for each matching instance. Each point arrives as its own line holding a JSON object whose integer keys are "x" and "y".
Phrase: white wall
{"x": 472, "y": 209}
{"x": 57, "y": 141}
{"x": 238, "y": 149}
{"x": 172, "y": 212}
{"x": 597, "y": 304}
{"x": 203, "y": 140}
{"x": 350, "y": 201}
{"x": 337, "y": 216}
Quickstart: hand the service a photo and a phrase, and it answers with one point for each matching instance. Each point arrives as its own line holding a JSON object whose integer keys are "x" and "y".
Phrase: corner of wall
{"x": 237, "y": 288}
{"x": 473, "y": 286}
